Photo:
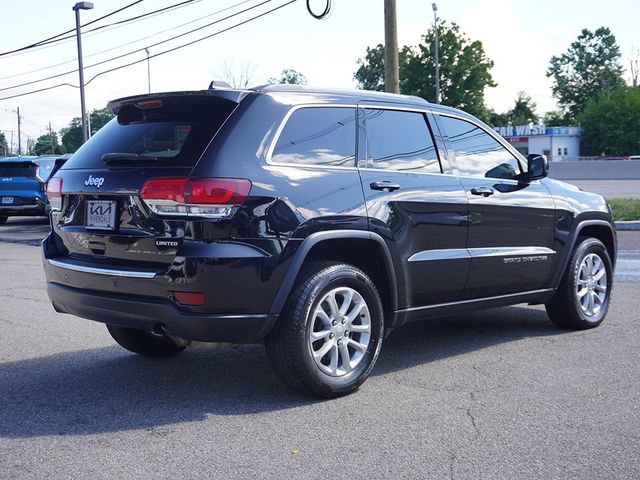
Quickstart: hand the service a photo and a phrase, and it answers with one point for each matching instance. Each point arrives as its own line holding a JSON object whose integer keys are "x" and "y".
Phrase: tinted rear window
{"x": 17, "y": 169}
{"x": 175, "y": 135}
{"x": 400, "y": 140}
{"x": 318, "y": 136}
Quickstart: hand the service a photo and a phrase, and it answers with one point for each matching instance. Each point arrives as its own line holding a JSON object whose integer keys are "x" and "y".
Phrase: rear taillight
{"x": 39, "y": 176}
{"x": 198, "y": 197}
{"x": 54, "y": 193}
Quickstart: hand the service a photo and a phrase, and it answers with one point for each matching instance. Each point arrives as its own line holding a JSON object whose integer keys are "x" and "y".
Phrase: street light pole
{"x": 435, "y": 26}
{"x": 77, "y": 7}
{"x": 19, "y": 133}
{"x": 148, "y": 70}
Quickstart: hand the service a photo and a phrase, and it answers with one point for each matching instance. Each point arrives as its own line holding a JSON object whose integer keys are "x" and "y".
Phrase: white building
{"x": 557, "y": 143}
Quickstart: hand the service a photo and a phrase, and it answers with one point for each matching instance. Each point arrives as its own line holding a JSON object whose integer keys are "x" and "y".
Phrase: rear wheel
{"x": 143, "y": 343}
{"x": 582, "y": 300}
{"x": 3, "y": 219}
{"x": 330, "y": 333}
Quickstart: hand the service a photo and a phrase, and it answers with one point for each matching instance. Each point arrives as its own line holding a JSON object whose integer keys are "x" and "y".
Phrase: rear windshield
{"x": 15, "y": 169}
{"x": 173, "y": 135}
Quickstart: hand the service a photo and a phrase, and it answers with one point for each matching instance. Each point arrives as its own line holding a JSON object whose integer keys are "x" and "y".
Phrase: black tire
{"x": 3, "y": 219}
{"x": 565, "y": 309}
{"x": 289, "y": 347}
{"x": 143, "y": 343}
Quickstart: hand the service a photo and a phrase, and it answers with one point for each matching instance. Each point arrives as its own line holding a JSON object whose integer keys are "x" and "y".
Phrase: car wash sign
{"x": 530, "y": 130}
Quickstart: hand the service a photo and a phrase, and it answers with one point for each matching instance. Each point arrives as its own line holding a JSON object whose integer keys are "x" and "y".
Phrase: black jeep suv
{"x": 314, "y": 221}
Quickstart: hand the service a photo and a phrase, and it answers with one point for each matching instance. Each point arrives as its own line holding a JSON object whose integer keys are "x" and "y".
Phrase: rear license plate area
{"x": 7, "y": 200}
{"x": 101, "y": 214}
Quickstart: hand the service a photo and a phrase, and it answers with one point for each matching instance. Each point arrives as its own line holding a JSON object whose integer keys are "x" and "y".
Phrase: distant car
{"x": 23, "y": 185}
{"x": 634, "y": 157}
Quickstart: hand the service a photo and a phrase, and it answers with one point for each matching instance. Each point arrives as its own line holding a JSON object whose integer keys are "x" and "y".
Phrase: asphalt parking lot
{"x": 495, "y": 394}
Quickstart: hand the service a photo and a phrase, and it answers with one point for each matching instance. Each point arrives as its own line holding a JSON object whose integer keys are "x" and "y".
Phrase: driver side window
{"x": 477, "y": 153}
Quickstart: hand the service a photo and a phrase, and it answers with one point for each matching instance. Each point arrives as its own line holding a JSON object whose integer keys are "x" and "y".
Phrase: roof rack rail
{"x": 278, "y": 87}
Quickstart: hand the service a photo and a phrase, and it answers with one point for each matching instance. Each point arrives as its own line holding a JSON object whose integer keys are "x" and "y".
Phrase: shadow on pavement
{"x": 27, "y": 230}
{"x": 107, "y": 389}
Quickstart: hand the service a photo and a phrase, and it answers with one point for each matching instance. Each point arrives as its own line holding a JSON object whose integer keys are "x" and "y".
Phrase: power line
{"x": 132, "y": 19}
{"x": 39, "y": 90}
{"x": 47, "y": 40}
{"x": 192, "y": 42}
{"x": 74, "y": 60}
{"x": 157, "y": 54}
{"x": 51, "y": 77}
{"x": 102, "y": 28}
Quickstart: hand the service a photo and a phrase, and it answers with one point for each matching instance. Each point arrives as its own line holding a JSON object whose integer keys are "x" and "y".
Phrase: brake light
{"x": 164, "y": 189}
{"x": 149, "y": 104}
{"x": 54, "y": 193}
{"x": 200, "y": 197}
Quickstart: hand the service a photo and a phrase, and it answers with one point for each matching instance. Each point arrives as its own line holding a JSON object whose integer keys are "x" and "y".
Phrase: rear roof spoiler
{"x": 229, "y": 94}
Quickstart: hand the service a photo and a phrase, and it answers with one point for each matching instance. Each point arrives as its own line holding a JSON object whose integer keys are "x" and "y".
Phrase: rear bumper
{"x": 145, "y": 314}
{"x": 37, "y": 208}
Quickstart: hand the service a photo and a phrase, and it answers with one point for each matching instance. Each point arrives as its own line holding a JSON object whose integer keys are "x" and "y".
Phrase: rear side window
{"x": 400, "y": 140}
{"x": 175, "y": 134}
{"x": 318, "y": 136}
{"x": 477, "y": 153}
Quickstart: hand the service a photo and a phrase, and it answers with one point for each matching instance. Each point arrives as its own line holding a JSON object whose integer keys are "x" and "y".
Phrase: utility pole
{"x": 19, "y": 142}
{"x": 391, "y": 74}
{"x": 51, "y": 139}
{"x": 437, "y": 45}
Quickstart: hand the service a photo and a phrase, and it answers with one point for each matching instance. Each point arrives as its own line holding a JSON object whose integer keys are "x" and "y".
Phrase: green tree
{"x": 370, "y": 73}
{"x": 45, "y": 142}
{"x": 289, "y": 76}
{"x": 4, "y": 148}
{"x": 609, "y": 122}
{"x": 496, "y": 119}
{"x": 556, "y": 118}
{"x": 590, "y": 66}
{"x": 524, "y": 111}
{"x": 464, "y": 70}
{"x": 72, "y": 135}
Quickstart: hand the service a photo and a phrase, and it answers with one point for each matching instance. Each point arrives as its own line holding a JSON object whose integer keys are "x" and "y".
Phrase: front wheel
{"x": 582, "y": 299}
{"x": 330, "y": 333}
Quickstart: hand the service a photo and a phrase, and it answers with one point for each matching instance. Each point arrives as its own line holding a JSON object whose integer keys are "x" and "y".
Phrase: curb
{"x": 628, "y": 225}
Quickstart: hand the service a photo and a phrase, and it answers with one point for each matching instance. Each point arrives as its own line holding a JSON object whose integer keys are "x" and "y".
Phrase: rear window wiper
{"x": 110, "y": 158}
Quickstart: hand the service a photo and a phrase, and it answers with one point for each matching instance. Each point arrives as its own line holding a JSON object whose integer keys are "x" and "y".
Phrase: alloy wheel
{"x": 339, "y": 331}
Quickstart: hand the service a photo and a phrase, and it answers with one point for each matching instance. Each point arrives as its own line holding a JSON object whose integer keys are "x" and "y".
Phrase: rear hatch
{"x": 155, "y": 141}
{"x": 18, "y": 182}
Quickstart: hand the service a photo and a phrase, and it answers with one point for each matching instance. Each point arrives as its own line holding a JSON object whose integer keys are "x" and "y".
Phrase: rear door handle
{"x": 384, "y": 186}
{"x": 484, "y": 191}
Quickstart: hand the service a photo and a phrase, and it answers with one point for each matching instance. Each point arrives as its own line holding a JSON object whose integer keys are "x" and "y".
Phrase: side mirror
{"x": 537, "y": 166}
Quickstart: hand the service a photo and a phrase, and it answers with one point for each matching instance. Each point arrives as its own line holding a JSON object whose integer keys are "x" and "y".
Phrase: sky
{"x": 520, "y": 36}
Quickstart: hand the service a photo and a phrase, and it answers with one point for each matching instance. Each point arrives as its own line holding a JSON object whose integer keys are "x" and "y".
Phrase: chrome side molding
{"x": 459, "y": 253}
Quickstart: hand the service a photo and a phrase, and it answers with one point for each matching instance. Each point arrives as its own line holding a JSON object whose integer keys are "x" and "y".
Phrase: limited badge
{"x": 168, "y": 243}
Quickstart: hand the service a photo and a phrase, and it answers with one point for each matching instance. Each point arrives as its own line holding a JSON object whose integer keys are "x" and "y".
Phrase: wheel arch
{"x": 356, "y": 247}
{"x": 603, "y": 230}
